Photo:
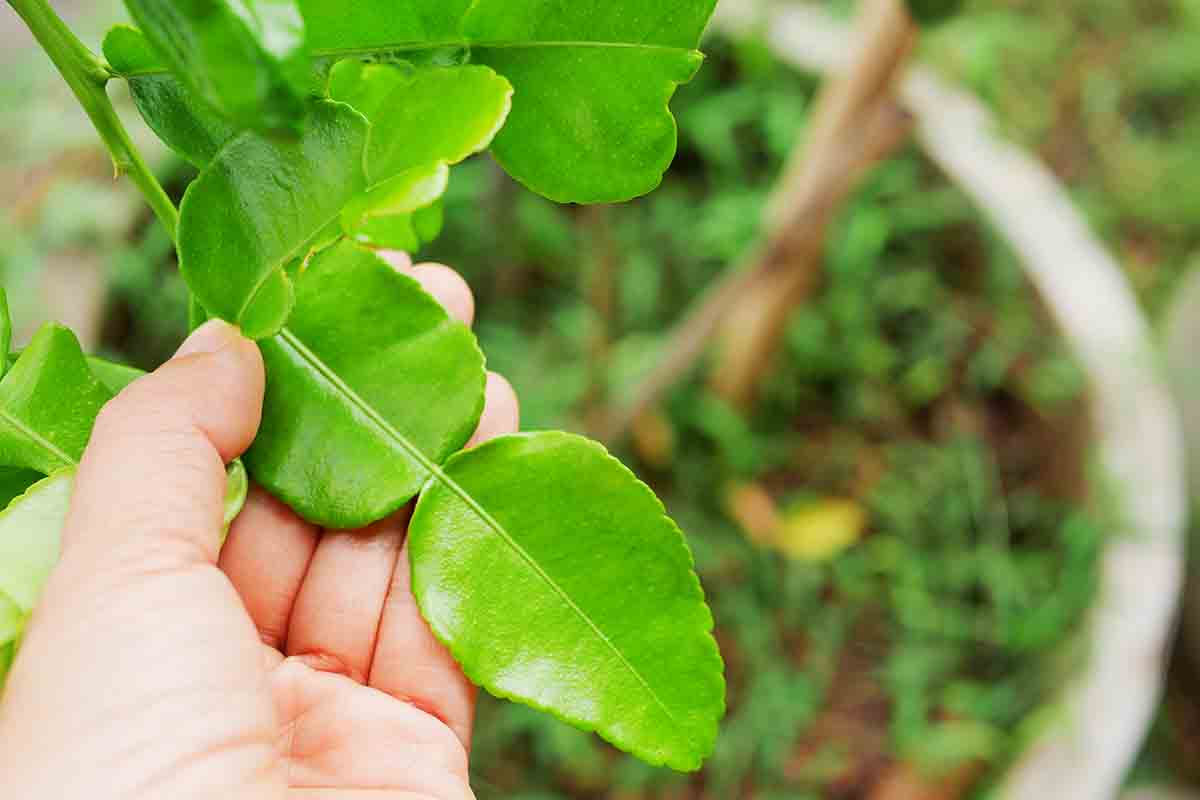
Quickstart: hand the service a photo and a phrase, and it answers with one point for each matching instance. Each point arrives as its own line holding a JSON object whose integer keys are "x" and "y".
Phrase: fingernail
{"x": 208, "y": 338}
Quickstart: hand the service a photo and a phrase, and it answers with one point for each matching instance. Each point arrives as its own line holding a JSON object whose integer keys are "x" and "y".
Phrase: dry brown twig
{"x": 857, "y": 124}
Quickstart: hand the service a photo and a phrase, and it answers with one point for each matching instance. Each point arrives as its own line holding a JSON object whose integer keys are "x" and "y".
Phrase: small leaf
{"x": 369, "y": 386}
{"x": 421, "y": 121}
{"x": 30, "y": 530}
{"x": 556, "y": 579}
{"x": 49, "y": 400}
{"x": 423, "y": 116}
{"x": 257, "y": 206}
{"x": 592, "y": 82}
{"x": 384, "y": 216}
{"x": 187, "y": 124}
{"x": 247, "y": 58}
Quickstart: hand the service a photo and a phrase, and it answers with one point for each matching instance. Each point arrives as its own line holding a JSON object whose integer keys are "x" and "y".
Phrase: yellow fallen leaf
{"x": 820, "y": 530}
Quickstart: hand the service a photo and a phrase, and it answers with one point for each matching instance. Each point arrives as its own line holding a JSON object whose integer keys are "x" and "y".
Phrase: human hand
{"x": 293, "y": 665}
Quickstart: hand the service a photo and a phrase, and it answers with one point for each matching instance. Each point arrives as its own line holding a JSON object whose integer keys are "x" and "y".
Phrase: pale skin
{"x": 292, "y": 663}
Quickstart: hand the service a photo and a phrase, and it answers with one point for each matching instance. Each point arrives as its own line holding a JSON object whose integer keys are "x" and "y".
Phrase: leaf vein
{"x": 47, "y": 445}
{"x": 436, "y": 473}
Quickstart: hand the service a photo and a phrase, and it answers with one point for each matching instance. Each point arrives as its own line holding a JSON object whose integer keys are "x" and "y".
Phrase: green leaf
{"x": 369, "y": 386}
{"x": 187, "y": 124}
{"x": 257, "y": 206}
{"x": 422, "y": 120}
{"x": 420, "y": 117}
{"x": 30, "y": 530}
{"x": 556, "y": 579}
{"x": 590, "y": 121}
{"x": 114, "y": 376}
{"x": 247, "y": 58}
{"x": 49, "y": 400}
{"x": 335, "y": 25}
{"x": 385, "y": 215}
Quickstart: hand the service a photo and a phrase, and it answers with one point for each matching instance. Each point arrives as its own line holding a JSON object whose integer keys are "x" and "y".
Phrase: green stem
{"x": 87, "y": 76}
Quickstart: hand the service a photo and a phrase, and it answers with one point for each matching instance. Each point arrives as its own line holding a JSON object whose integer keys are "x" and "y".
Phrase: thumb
{"x": 151, "y": 483}
{"x": 137, "y": 633}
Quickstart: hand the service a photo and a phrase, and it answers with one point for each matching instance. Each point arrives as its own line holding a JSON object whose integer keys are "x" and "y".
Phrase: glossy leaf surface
{"x": 258, "y": 205}
{"x": 336, "y": 26}
{"x": 422, "y": 120}
{"x": 247, "y": 58}
{"x": 185, "y": 123}
{"x": 369, "y": 385}
{"x": 49, "y": 400}
{"x": 556, "y": 578}
{"x": 421, "y": 117}
{"x": 590, "y": 121}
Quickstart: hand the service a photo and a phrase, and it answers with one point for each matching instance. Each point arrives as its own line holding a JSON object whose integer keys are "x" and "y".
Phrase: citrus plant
{"x": 325, "y": 130}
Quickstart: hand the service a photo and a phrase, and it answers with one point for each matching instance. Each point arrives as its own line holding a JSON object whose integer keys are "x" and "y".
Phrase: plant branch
{"x": 88, "y": 75}
{"x": 856, "y": 125}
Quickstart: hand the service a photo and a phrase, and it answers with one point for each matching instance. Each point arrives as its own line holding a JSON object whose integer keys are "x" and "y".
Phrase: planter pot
{"x": 1105, "y": 710}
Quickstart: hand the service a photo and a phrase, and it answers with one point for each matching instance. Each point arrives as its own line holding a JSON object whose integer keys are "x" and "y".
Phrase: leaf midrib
{"x": 416, "y": 47}
{"x": 47, "y": 445}
{"x": 289, "y": 339}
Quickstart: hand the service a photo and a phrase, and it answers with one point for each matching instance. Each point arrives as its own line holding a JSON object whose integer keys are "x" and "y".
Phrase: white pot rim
{"x": 1108, "y": 707}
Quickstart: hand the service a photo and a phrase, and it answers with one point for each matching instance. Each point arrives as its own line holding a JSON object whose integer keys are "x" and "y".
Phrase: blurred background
{"x": 909, "y": 412}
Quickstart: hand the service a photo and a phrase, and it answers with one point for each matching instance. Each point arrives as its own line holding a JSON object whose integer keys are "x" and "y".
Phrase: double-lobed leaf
{"x": 247, "y": 58}
{"x": 265, "y": 202}
{"x": 257, "y": 206}
{"x": 369, "y": 385}
{"x": 522, "y": 550}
